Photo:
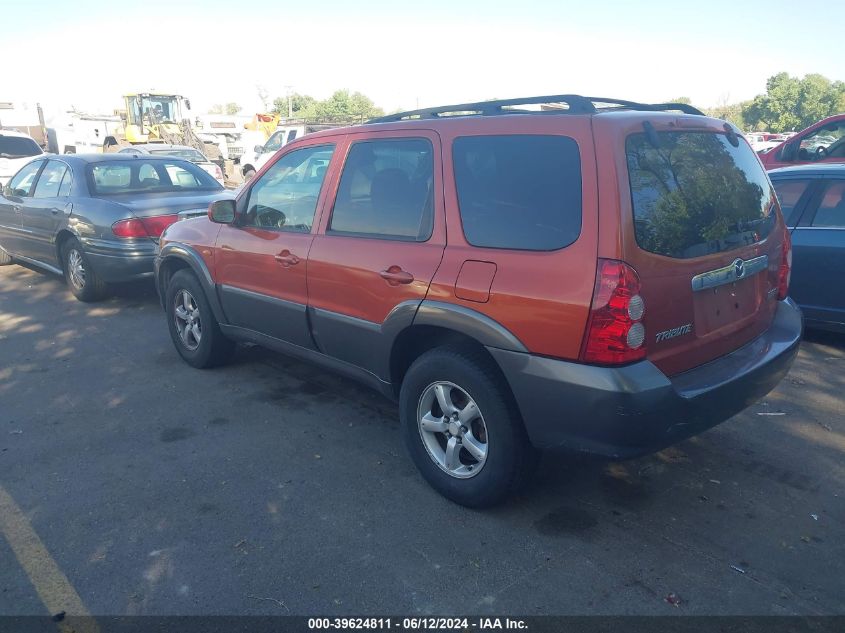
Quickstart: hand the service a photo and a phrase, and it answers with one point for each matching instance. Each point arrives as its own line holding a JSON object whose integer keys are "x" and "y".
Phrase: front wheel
{"x": 462, "y": 428}
{"x": 81, "y": 277}
{"x": 193, "y": 328}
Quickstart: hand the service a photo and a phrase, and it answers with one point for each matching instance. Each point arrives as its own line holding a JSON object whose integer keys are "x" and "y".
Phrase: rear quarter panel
{"x": 543, "y": 298}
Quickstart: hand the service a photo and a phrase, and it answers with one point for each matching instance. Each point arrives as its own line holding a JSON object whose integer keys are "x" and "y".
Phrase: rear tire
{"x": 491, "y": 457}
{"x": 5, "y": 258}
{"x": 80, "y": 276}
{"x": 193, "y": 328}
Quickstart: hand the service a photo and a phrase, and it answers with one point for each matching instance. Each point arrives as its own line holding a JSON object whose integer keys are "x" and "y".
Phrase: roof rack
{"x": 575, "y": 104}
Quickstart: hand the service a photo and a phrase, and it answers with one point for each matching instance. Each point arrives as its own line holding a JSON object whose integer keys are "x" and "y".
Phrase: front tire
{"x": 193, "y": 328}
{"x": 80, "y": 276}
{"x": 462, "y": 428}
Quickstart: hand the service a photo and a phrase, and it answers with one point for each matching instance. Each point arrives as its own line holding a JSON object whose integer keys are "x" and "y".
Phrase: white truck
{"x": 253, "y": 160}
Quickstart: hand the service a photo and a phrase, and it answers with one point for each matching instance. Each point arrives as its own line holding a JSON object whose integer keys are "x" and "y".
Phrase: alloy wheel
{"x": 452, "y": 429}
{"x": 187, "y": 316}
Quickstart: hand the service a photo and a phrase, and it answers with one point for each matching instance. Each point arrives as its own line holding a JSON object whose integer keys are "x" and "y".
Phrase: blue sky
{"x": 86, "y": 53}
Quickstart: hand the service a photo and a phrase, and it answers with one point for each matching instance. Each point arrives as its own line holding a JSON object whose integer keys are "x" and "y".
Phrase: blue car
{"x": 813, "y": 201}
{"x": 96, "y": 219}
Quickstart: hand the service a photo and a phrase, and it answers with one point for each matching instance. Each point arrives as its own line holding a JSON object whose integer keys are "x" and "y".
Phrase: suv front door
{"x": 381, "y": 244}
{"x": 261, "y": 258}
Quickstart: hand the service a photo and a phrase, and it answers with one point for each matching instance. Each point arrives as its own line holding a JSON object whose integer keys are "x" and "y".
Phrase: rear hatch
{"x": 702, "y": 227}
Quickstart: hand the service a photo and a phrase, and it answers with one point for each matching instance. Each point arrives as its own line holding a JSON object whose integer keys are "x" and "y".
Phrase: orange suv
{"x": 553, "y": 272}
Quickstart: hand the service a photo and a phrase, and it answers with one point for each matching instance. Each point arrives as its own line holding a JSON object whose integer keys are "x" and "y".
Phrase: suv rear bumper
{"x": 624, "y": 412}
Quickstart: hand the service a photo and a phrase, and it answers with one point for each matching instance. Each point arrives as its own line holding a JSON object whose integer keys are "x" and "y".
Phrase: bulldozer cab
{"x": 149, "y": 111}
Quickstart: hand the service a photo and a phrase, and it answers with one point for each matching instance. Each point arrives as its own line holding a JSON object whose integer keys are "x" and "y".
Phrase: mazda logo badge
{"x": 739, "y": 268}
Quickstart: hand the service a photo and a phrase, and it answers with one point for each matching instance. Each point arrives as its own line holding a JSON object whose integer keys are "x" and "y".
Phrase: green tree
{"x": 685, "y": 100}
{"x": 233, "y": 108}
{"x": 791, "y": 103}
{"x": 342, "y": 106}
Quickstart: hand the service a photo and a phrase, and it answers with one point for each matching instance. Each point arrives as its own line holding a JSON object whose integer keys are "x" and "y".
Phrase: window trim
{"x": 329, "y": 232}
{"x": 511, "y": 248}
{"x": 242, "y": 203}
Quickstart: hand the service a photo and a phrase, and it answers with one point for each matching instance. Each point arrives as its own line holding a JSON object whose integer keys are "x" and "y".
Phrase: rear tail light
{"x": 615, "y": 332}
{"x": 143, "y": 227}
{"x": 785, "y": 270}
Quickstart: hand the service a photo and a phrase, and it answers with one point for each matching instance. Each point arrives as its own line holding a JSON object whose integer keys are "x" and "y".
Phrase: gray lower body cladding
{"x": 624, "y": 412}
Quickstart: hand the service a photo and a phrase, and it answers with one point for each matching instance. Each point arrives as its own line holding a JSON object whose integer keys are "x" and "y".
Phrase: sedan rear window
{"x": 142, "y": 176}
{"x": 696, "y": 194}
{"x": 18, "y": 147}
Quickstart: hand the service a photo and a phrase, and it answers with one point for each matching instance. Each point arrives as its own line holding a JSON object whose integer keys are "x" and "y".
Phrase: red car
{"x": 607, "y": 277}
{"x": 822, "y": 142}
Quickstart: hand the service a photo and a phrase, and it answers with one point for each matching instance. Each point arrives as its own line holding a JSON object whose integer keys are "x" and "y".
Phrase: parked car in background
{"x": 252, "y": 161}
{"x": 96, "y": 218}
{"x": 16, "y": 149}
{"x": 822, "y": 142}
{"x": 465, "y": 266}
{"x": 178, "y": 151}
{"x": 813, "y": 201}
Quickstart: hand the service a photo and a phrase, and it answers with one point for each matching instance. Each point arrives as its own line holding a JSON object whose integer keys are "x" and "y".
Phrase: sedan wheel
{"x": 76, "y": 269}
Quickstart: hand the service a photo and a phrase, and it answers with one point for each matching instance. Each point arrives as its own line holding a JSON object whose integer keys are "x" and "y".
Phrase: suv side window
{"x": 386, "y": 190}
{"x": 21, "y": 184}
{"x": 831, "y": 211}
{"x": 519, "y": 191}
{"x": 285, "y": 197}
{"x": 50, "y": 180}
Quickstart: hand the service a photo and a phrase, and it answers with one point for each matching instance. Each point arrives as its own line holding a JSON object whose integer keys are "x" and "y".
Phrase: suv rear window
{"x": 697, "y": 194}
{"x": 18, "y": 147}
{"x": 519, "y": 191}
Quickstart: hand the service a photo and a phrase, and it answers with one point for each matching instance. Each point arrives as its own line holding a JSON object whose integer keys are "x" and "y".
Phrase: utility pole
{"x": 290, "y": 102}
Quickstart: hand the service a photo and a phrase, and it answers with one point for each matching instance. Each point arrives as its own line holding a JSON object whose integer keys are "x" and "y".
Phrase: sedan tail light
{"x": 143, "y": 227}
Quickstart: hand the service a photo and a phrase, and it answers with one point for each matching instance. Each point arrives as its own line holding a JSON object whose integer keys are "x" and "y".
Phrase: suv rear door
{"x": 380, "y": 241}
{"x": 702, "y": 227}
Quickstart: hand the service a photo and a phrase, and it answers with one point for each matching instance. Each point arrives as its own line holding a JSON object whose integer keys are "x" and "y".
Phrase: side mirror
{"x": 259, "y": 149}
{"x": 222, "y": 211}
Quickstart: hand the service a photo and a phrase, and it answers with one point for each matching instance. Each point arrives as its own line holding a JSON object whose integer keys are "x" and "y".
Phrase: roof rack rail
{"x": 577, "y": 104}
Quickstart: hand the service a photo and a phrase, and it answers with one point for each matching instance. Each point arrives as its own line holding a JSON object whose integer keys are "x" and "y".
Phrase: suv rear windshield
{"x": 148, "y": 176}
{"x": 696, "y": 194}
{"x": 18, "y": 147}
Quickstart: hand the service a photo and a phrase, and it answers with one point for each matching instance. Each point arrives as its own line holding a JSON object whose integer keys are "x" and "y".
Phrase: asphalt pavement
{"x": 143, "y": 486}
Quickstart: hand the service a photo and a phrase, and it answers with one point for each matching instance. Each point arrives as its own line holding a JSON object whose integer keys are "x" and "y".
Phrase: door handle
{"x": 395, "y": 276}
{"x": 286, "y": 258}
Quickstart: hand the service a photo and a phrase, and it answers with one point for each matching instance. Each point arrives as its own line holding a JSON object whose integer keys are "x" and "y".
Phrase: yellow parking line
{"x": 52, "y": 585}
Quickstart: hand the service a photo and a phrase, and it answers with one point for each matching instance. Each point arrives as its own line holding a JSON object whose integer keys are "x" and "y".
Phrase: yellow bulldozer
{"x": 151, "y": 117}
